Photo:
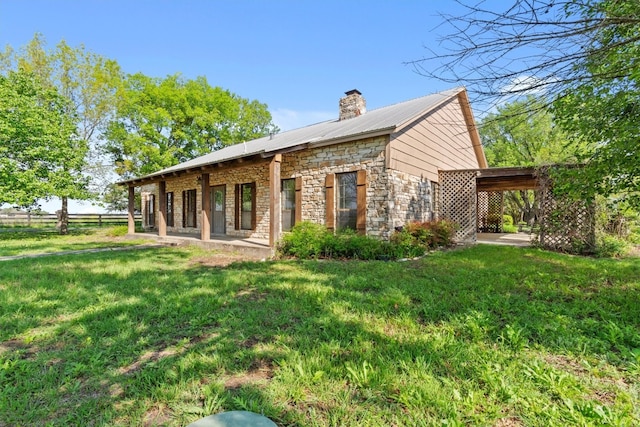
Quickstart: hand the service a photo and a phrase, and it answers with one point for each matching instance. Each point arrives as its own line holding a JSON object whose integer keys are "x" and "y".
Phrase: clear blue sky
{"x": 298, "y": 57}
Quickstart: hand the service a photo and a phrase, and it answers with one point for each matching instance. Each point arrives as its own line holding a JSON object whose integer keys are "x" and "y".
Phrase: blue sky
{"x": 298, "y": 57}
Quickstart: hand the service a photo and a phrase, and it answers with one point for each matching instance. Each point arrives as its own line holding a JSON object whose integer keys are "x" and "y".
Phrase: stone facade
{"x": 393, "y": 198}
{"x": 411, "y": 198}
{"x": 313, "y": 166}
{"x": 229, "y": 178}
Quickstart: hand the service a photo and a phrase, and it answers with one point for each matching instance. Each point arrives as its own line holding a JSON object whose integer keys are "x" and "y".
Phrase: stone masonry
{"x": 393, "y": 198}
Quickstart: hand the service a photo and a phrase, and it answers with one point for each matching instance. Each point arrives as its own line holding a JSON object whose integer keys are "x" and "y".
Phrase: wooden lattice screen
{"x": 565, "y": 225}
{"x": 490, "y": 209}
{"x": 458, "y": 202}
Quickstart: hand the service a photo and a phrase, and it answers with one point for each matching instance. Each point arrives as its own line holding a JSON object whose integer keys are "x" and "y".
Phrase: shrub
{"x": 608, "y": 246}
{"x": 507, "y": 220}
{"x": 306, "y": 240}
{"x": 509, "y": 228}
{"x": 310, "y": 240}
{"x": 417, "y": 237}
{"x": 118, "y": 231}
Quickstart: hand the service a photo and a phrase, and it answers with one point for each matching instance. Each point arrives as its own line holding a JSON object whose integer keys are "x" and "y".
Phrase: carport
{"x": 474, "y": 199}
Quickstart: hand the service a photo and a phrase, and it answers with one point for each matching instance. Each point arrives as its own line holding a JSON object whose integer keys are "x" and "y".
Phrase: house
{"x": 370, "y": 171}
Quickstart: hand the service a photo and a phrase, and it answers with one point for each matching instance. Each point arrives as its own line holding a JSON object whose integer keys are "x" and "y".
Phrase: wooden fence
{"x": 75, "y": 220}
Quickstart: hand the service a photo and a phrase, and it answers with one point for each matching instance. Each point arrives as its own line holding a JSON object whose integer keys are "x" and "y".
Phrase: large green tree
{"x": 164, "y": 121}
{"x": 89, "y": 82}
{"x": 523, "y": 133}
{"x": 583, "y": 55}
{"x": 40, "y": 153}
{"x": 603, "y": 112}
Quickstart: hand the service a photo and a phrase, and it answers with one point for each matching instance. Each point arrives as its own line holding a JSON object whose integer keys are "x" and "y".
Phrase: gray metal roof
{"x": 382, "y": 120}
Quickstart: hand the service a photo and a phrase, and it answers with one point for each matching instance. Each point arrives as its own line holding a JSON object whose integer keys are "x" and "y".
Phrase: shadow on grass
{"x": 40, "y": 242}
{"x": 148, "y": 337}
{"x": 34, "y": 233}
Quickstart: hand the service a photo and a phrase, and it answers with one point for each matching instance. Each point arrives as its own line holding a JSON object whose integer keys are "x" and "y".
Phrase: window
{"x": 288, "y": 200}
{"x": 169, "y": 207}
{"x": 246, "y": 206}
{"x": 189, "y": 208}
{"x": 347, "y": 200}
{"x": 151, "y": 210}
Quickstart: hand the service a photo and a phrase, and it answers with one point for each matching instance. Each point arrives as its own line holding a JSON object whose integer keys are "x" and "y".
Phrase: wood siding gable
{"x": 439, "y": 140}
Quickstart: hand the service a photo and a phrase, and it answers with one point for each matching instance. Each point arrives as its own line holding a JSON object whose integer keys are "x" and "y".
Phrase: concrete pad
{"x": 510, "y": 239}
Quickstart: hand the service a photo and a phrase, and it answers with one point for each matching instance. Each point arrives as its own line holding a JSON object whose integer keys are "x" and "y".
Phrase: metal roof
{"x": 385, "y": 120}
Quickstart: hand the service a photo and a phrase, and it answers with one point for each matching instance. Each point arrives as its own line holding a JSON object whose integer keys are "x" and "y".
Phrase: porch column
{"x": 162, "y": 208}
{"x": 205, "y": 219}
{"x": 275, "y": 208}
{"x": 131, "y": 220}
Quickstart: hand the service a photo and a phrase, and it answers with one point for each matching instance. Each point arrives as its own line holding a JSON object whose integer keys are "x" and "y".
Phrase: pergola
{"x": 473, "y": 198}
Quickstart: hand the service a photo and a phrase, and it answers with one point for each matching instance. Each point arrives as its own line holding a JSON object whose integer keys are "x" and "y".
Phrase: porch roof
{"x": 505, "y": 178}
{"x": 381, "y": 121}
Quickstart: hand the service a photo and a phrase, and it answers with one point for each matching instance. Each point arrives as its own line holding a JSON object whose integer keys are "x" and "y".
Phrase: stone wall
{"x": 411, "y": 198}
{"x": 393, "y": 198}
{"x": 313, "y": 165}
{"x": 228, "y": 177}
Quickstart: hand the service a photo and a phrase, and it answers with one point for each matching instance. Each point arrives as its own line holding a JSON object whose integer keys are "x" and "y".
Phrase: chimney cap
{"x": 352, "y": 91}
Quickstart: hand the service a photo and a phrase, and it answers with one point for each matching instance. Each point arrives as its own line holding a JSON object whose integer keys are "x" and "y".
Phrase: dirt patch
{"x": 12, "y": 345}
{"x": 261, "y": 370}
{"x": 508, "y": 422}
{"x": 149, "y": 356}
{"x": 604, "y": 397}
{"x": 566, "y": 364}
{"x": 157, "y": 417}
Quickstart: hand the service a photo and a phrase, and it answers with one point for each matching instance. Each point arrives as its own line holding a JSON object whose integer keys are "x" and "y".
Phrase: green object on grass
{"x": 234, "y": 419}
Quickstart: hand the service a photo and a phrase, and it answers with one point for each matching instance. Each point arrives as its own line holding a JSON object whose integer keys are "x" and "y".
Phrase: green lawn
{"x": 14, "y": 243}
{"x": 489, "y": 335}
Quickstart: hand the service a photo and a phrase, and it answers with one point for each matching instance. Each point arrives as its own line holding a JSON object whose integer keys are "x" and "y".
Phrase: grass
{"x": 489, "y": 335}
{"x": 27, "y": 242}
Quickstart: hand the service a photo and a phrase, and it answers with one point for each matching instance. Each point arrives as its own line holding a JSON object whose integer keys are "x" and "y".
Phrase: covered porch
{"x": 474, "y": 199}
{"x": 255, "y": 248}
{"x": 265, "y": 180}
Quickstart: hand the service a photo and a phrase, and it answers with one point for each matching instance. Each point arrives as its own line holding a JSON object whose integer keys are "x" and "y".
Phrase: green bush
{"x": 507, "y": 220}
{"x": 118, "y": 231}
{"x": 608, "y": 246}
{"x": 417, "y": 237}
{"x": 306, "y": 240}
{"x": 509, "y": 228}
{"x": 310, "y": 240}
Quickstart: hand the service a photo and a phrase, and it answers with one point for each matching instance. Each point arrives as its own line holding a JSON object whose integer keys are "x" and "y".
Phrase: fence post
{"x": 99, "y": 220}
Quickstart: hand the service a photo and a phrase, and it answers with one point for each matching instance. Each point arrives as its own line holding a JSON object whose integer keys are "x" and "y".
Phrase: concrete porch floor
{"x": 257, "y": 248}
{"x": 511, "y": 239}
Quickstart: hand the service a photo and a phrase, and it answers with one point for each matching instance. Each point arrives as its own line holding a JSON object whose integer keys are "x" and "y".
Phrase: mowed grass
{"x": 29, "y": 242}
{"x": 489, "y": 335}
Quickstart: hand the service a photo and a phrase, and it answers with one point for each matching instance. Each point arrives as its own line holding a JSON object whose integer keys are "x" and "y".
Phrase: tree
{"x": 89, "y": 82}
{"x": 116, "y": 199}
{"x": 583, "y": 55}
{"x": 162, "y": 122}
{"x": 40, "y": 154}
{"x": 523, "y": 133}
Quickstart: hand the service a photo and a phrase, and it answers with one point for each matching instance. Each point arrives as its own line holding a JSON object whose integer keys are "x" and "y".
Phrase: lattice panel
{"x": 458, "y": 202}
{"x": 490, "y": 209}
{"x": 566, "y": 225}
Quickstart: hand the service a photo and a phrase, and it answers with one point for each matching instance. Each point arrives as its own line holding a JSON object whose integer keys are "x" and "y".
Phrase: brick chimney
{"x": 352, "y": 105}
